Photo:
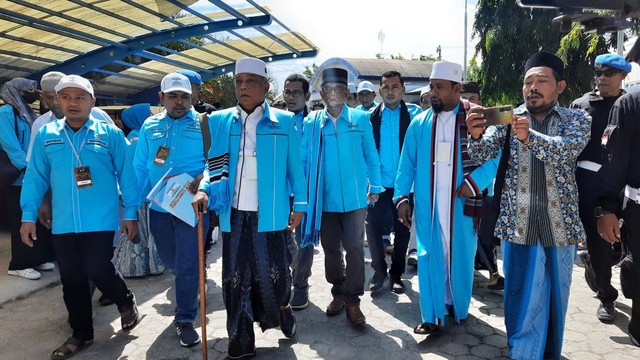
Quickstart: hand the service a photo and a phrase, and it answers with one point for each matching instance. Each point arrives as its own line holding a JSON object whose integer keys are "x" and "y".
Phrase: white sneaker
{"x": 45, "y": 266}
{"x": 27, "y": 273}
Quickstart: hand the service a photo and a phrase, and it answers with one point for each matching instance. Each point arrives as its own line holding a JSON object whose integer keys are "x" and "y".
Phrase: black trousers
{"x": 22, "y": 256}
{"x": 380, "y": 219}
{"x": 83, "y": 257}
{"x": 631, "y": 214}
{"x": 603, "y": 255}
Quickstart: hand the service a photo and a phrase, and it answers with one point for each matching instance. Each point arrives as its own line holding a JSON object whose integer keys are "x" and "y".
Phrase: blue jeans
{"x": 177, "y": 244}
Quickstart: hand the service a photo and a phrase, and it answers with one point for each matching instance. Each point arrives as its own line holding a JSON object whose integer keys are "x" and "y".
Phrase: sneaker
{"x": 397, "y": 286}
{"x": 288, "y": 322}
{"x": 386, "y": 242}
{"x": 27, "y": 273}
{"x": 45, "y": 266}
{"x": 589, "y": 273}
{"x": 606, "y": 311}
{"x": 300, "y": 300}
{"x": 412, "y": 260}
{"x": 376, "y": 283}
{"x": 187, "y": 334}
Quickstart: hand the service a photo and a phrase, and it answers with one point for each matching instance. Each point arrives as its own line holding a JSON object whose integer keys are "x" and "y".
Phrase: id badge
{"x": 443, "y": 152}
{"x": 83, "y": 176}
{"x": 161, "y": 156}
{"x": 251, "y": 167}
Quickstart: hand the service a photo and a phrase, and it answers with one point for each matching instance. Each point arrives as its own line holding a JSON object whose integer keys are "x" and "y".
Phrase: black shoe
{"x": 635, "y": 338}
{"x": 606, "y": 312}
{"x": 589, "y": 274}
{"x": 300, "y": 300}
{"x": 496, "y": 282}
{"x": 376, "y": 283}
{"x": 187, "y": 334}
{"x": 288, "y": 322}
{"x": 412, "y": 259}
{"x": 397, "y": 286}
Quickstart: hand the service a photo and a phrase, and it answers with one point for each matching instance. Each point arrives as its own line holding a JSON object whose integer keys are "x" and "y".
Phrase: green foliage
{"x": 219, "y": 90}
{"x": 508, "y": 35}
{"x": 310, "y": 70}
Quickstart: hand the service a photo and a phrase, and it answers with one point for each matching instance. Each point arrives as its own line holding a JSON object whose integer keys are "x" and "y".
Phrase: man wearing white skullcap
{"x": 448, "y": 192}
{"x": 253, "y": 167}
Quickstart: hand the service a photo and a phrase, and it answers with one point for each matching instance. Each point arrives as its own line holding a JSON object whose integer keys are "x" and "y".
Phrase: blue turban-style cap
{"x": 135, "y": 115}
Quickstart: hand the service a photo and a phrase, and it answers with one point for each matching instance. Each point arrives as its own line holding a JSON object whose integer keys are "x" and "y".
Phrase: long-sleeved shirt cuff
{"x": 130, "y": 213}
{"x": 400, "y": 200}
{"x": 375, "y": 189}
{"x": 300, "y": 206}
{"x": 472, "y": 185}
{"x": 204, "y": 186}
{"x": 29, "y": 216}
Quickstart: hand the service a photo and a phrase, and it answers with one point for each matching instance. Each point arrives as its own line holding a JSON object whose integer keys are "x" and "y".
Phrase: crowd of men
{"x": 281, "y": 181}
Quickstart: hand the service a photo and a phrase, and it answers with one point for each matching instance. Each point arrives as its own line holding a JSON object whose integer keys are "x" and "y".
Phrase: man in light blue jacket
{"x": 253, "y": 167}
{"x": 343, "y": 170}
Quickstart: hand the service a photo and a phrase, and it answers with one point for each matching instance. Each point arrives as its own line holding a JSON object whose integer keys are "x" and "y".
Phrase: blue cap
{"x": 193, "y": 76}
{"x": 614, "y": 61}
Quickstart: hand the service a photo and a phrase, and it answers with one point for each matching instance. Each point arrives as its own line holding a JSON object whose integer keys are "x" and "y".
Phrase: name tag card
{"x": 161, "y": 156}
{"x": 443, "y": 152}
{"x": 83, "y": 176}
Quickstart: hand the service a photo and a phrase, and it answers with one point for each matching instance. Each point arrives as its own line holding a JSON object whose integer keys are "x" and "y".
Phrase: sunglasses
{"x": 607, "y": 73}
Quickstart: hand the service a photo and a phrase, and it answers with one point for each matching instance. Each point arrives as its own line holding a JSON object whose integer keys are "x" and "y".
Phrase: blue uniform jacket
{"x": 279, "y": 166}
{"x": 16, "y": 148}
{"x": 89, "y": 209}
{"x": 351, "y": 163}
{"x": 184, "y": 139}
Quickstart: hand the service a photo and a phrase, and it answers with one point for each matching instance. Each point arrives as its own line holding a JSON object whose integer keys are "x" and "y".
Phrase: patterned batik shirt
{"x": 540, "y": 196}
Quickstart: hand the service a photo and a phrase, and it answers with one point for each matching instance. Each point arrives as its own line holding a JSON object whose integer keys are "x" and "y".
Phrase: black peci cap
{"x": 545, "y": 59}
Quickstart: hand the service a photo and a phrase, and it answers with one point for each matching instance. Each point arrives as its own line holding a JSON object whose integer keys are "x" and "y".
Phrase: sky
{"x": 350, "y": 28}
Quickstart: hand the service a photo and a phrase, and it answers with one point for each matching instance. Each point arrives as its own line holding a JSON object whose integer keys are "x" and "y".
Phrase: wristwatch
{"x": 598, "y": 211}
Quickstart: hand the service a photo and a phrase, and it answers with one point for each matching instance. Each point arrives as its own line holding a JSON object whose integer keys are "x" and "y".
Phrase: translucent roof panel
{"x": 125, "y": 47}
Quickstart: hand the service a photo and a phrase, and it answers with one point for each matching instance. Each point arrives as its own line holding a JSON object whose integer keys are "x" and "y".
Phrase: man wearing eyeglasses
{"x": 610, "y": 70}
{"x": 343, "y": 170}
{"x": 296, "y": 94}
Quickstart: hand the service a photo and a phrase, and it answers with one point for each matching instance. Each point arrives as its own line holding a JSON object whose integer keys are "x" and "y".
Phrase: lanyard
{"x": 76, "y": 153}
{"x": 166, "y": 129}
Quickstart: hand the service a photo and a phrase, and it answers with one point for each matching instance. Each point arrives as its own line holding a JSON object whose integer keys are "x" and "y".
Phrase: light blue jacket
{"x": 89, "y": 209}
{"x": 279, "y": 166}
{"x": 182, "y": 136}
{"x": 351, "y": 164}
{"x": 16, "y": 147}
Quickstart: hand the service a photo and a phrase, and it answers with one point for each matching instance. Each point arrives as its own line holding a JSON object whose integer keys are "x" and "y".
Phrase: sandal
{"x": 129, "y": 316}
{"x": 426, "y": 329}
{"x": 66, "y": 351}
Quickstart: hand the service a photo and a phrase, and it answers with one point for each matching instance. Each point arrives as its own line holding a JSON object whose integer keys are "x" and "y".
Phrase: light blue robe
{"x": 415, "y": 168}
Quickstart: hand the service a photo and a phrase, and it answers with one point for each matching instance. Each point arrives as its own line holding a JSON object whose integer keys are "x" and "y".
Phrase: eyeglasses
{"x": 295, "y": 93}
{"x": 336, "y": 89}
{"x": 607, "y": 73}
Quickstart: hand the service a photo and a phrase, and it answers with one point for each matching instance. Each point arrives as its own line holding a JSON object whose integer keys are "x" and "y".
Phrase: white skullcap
{"x": 444, "y": 70}
{"x": 50, "y": 80}
{"x": 248, "y": 65}
{"x": 74, "y": 81}
{"x": 175, "y": 82}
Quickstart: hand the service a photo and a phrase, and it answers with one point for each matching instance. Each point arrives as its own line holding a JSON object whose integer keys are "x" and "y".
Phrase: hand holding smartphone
{"x": 498, "y": 115}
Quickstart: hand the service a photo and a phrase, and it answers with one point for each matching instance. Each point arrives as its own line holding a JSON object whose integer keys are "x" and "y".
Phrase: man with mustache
{"x": 173, "y": 140}
{"x": 390, "y": 121}
{"x": 253, "y": 168}
{"x": 538, "y": 224}
{"x": 447, "y": 198}
{"x": 600, "y": 256}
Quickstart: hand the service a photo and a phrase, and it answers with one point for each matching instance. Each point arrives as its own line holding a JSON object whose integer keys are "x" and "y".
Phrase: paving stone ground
{"x": 34, "y": 325}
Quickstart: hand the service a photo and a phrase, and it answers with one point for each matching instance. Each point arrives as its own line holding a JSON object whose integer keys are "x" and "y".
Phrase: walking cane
{"x": 203, "y": 278}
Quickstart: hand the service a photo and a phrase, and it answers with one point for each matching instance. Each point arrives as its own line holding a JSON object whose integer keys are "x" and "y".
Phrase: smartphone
{"x": 498, "y": 115}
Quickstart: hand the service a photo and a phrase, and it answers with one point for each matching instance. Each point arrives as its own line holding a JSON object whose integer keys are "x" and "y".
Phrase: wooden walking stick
{"x": 203, "y": 278}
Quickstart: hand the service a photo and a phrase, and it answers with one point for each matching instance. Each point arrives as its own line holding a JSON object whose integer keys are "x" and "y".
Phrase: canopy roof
{"x": 121, "y": 45}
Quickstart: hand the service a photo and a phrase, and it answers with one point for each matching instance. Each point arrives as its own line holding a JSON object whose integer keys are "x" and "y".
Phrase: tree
{"x": 310, "y": 70}
{"x": 509, "y": 34}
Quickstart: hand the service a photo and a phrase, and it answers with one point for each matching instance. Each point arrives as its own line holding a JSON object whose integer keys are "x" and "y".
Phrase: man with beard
{"x": 600, "y": 256}
{"x": 172, "y": 140}
{"x": 390, "y": 121}
{"x": 539, "y": 223}
{"x": 447, "y": 197}
{"x": 16, "y": 117}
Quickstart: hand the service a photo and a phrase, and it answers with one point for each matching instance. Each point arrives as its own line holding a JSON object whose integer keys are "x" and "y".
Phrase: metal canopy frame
{"x": 121, "y": 45}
